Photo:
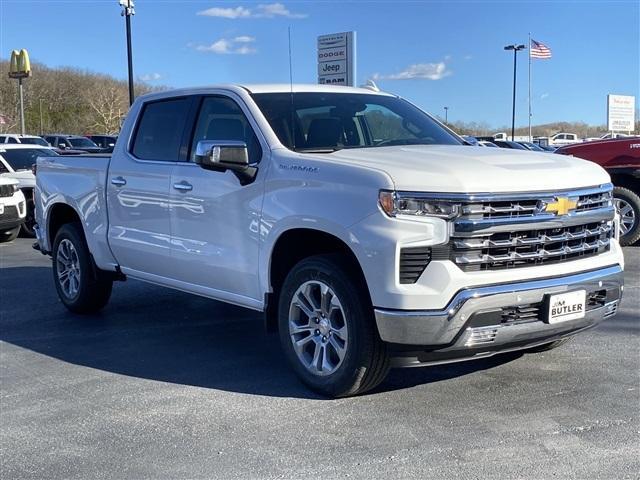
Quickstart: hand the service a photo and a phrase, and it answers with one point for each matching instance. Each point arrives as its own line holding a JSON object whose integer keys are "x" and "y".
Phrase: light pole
{"x": 516, "y": 49}
{"x": 127, "y": 12}
{"x": 446, "y": 115}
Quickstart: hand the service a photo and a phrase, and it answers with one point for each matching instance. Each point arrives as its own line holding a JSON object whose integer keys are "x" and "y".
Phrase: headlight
{"x": 14, "y": 188}
{"x": 399, "y": 203}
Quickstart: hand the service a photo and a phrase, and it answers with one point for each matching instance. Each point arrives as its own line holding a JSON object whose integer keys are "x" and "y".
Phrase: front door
{"x": 214, "y": 219}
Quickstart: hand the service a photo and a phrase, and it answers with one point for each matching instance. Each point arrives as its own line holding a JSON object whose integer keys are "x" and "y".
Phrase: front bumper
{"x": 502, "y": 317}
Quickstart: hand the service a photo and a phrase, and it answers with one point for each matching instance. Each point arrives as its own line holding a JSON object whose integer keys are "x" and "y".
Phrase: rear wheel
{"x": 327, "y": 328}
{"x": 627, "y": 205}
{"x": 80, "y": 286}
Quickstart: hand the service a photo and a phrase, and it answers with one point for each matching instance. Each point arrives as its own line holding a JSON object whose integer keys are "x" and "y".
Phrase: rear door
{"x": 138, "y": 188}
{"x": 215, "y": 221}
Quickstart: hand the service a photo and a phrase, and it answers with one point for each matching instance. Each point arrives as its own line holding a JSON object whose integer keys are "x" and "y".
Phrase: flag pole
{"x": 529, "y": 46}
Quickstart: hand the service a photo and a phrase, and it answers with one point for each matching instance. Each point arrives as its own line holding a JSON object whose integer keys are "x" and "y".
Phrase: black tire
{"x": 93, "y": 290}
{"x": 548, "y": 346}
{"x": 9, "y": 235}
{"x": 633, "y": 200}
{"x": 366, "y": 361}
{"x": 29, "y": 221}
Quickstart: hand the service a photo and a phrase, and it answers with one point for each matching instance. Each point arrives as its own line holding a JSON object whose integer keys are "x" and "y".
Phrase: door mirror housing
{"x": 222, "y": 155}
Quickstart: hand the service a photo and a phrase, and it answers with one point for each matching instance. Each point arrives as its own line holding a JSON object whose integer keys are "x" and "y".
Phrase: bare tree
{"x": 109, "y": 106}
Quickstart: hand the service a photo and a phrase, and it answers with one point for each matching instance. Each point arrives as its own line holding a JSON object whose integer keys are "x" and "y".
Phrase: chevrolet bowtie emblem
{"x": 561, "y": 206}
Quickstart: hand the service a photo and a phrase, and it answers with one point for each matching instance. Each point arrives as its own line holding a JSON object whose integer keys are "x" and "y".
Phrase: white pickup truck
{"x": 369, "y": 234}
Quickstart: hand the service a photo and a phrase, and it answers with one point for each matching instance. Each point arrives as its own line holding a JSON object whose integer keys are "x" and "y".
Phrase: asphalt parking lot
{"x": 167, "y": 385}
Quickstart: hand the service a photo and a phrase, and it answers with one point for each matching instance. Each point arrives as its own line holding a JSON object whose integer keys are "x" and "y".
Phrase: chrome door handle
{"x": 183, "y": 186}
{"x": 118, "y": 181}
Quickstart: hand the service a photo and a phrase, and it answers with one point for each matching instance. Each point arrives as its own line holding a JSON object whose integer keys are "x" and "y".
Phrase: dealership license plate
{"x": 566, "y": 306}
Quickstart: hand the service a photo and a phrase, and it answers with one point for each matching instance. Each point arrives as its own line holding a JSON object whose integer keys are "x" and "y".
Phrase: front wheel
{"x": 80, "y": 287}
{"x": 627, "y": 205}
{"x": 9, "y": 235}
{"x": 327, "y": 329}
{"x": 27, "y": 229}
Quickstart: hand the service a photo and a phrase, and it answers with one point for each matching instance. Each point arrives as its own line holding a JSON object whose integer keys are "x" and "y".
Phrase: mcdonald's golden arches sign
{"x": 19, "y": 67}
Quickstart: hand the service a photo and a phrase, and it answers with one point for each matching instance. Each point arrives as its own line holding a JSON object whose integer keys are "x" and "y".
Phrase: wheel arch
{"x": 60, "y": 214}
{"x": 292, "y": 246}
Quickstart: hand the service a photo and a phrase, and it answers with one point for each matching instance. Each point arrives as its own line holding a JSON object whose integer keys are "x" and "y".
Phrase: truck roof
{"x": 266, "y": 88}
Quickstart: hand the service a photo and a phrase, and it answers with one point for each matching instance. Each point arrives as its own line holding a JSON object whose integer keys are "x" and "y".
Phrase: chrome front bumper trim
{"x": 442, "y": 328}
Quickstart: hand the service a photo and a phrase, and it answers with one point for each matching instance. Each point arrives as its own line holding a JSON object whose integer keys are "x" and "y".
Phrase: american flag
{"x": 539, "y": 50}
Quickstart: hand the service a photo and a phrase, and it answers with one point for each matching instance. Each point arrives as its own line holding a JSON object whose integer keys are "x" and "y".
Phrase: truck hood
{"x": 467, "y": 169}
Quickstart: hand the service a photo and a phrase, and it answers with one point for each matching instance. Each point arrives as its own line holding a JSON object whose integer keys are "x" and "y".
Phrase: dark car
{"x": 621, "y": 159}
{"x": 74, "y": 142}
{"x": 106, "y": 142}
{"x": 509, "y": 144}
{"x": 532, "y": 146}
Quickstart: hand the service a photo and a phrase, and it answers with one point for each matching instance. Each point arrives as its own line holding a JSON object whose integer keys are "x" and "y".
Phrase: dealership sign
{"x": 337, "y": 59}
{"x": 621, "y": 112}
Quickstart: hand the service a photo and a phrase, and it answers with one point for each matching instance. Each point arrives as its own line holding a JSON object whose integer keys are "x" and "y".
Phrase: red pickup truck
{"x": 621, "y": 158}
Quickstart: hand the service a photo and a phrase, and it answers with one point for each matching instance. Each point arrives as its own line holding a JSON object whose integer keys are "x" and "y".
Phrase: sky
{"x": 434, "y": 53}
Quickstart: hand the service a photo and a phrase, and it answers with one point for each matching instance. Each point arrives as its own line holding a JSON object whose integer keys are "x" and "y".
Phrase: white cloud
{"x": 543, "y": 96}
{"x": 271, "y": 10}
{"x": 238, "y": 12}
{"x": 150, "y": 77}
{"x": 425, "y": 71}
{"x": 267, "y": 10}
{"x": 230, "y": 46}
{"x": 244, "y": 39}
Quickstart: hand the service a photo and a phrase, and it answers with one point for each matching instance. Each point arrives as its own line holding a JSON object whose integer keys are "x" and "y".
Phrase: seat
{"x": 225, "y": 129}
{"x": 324, "y": 132}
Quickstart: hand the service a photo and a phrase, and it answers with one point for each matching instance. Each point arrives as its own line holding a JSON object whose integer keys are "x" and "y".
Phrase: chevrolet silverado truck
{"x": 368, "y": 233}
{"x": 620, "y": 157}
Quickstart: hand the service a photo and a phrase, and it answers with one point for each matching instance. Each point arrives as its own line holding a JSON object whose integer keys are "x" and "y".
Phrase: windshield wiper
{"x": 318, "y": 150}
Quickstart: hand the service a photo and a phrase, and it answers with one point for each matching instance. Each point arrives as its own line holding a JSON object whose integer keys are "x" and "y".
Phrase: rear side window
{"x": 159, "y": 132}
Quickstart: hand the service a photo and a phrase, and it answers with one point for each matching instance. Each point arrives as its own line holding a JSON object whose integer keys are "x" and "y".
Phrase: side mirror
{"x": 222, "y": 155}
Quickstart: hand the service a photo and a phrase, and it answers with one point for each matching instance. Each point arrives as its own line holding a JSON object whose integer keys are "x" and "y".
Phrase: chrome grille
{"x": 517, "y": 230}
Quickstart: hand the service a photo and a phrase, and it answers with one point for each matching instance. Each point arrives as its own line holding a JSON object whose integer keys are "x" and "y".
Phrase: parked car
{"x": 360, "y": 243}
{"x": 73, "y": 142}
{"x": 106, "y": 142}
{"x": 509, "y": 144}
{"x": 12, "y": 209}
{"x": 621, "y": 159}
{"x": 14, "y": 138}
{"x": 486, "y": 143}
{"x": 548, "y": 148}
{"x": 500, "y": 136}
{"x": 16, "y": 161}
{"x": 563, "y": 138}
{"x": 532, "y": 146}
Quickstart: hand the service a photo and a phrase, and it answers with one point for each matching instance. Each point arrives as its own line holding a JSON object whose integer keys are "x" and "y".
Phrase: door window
{"x": 159, "y": 131}
{"x": 221, "y": 118}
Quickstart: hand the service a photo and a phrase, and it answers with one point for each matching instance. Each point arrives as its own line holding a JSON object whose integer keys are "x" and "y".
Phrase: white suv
{"x": 16, "y": 161}
{"x": 17, "y": 139}
{"x": 13, "y": 209}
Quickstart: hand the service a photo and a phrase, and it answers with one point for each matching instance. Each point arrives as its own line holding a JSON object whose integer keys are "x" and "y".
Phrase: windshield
{"x": 81, "y": 142}
{"x": 34, "y": 141}
{"x": 23, "y": 158}
{"x": 327, "y": 122}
